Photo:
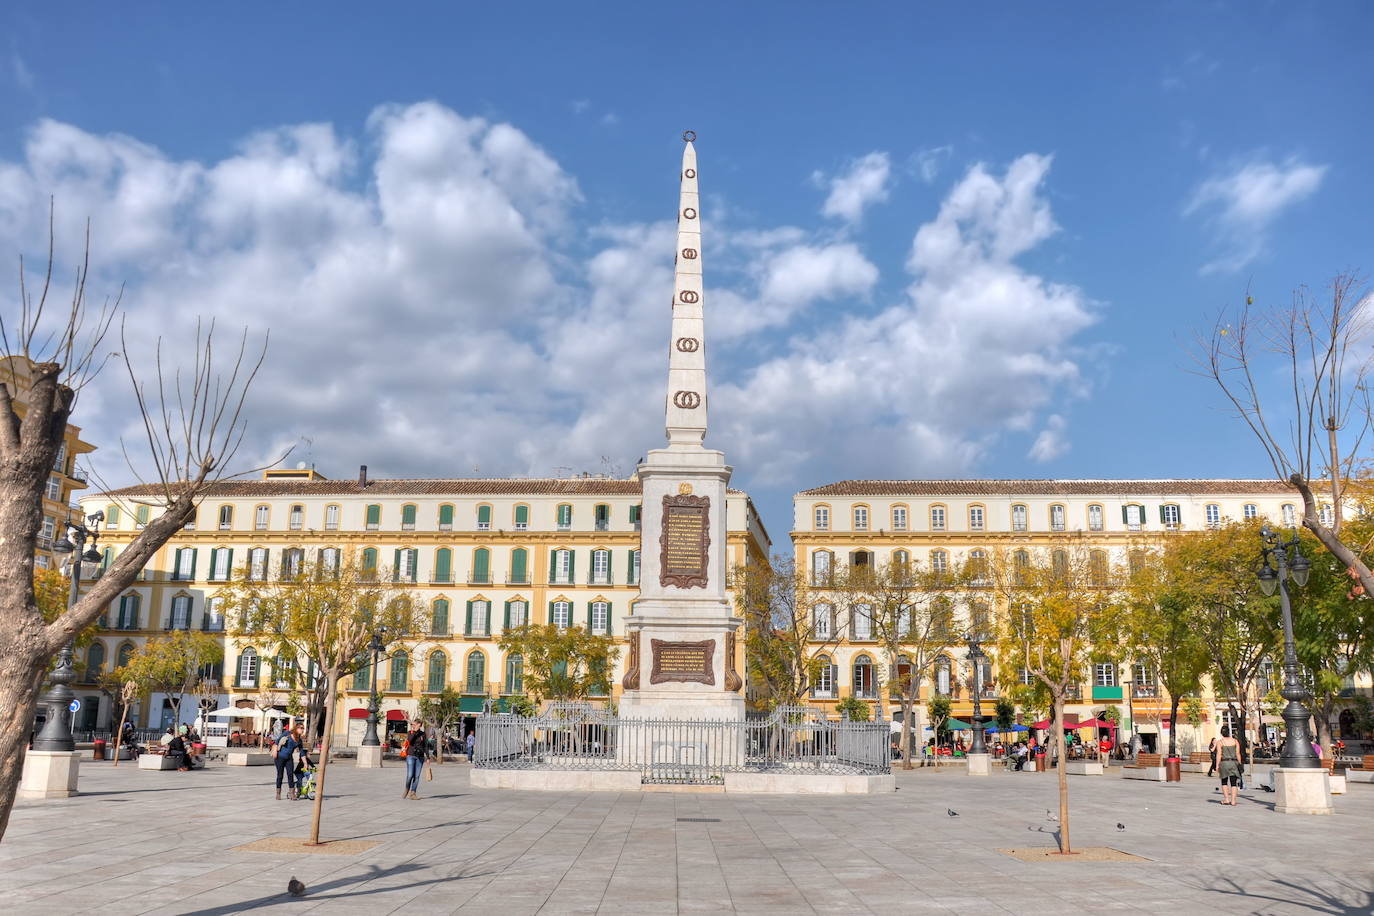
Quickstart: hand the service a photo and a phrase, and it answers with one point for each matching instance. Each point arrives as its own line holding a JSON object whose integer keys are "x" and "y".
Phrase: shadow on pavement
{"x": 1317, "y": 894}
{"x": 319, "y": 893}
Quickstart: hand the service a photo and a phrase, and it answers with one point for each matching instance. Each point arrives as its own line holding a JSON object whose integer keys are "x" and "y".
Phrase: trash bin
{"x": 98, "y": 749}
{"x": 1039, "y": 761}
{"x": 1172, "y": 769}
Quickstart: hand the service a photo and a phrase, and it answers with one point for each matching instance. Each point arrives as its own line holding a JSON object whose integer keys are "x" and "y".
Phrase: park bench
{"x": 154, "y": 757}
{"x": 1147, "y": 766}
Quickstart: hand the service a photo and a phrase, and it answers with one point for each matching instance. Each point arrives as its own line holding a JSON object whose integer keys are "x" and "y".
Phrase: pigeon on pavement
{"x": 951, "y": 812}
{"x": 1050, "y": 815}
{"x": 1120, "y": 826}
{"x": 295, "y": 888}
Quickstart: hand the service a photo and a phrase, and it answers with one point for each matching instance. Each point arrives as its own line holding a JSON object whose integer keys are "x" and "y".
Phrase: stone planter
{"x": 156, "y": 762}
{"x": 238, "y": 758}
{"x": 1083, "y": 768}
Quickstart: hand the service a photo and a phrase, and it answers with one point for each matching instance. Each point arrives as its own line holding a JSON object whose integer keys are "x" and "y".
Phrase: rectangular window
{"x": 603, "y": 518}
{"x": 975, "y": 518}
{"x": 1289, "y": 516}
{"x": 406, "y": 568}
{"x": 860, "y": 518}
{"x": 407, "y": 518}
{"x": 53, "y": 489}
{"x": 140, "y": 516}
{"x": 1250, "y": 511}
{"x": 820, "y": 567}
{"x": 519, "y": 612}
{"x": 1134, "y": 516}
{"x": 481, "y": 618}
{"x": 522, "y": 518}
{"x": 1213, "y": 515}
{"x": 601, "y": 567}
{"x": 825, "y": 682}
{"x": 61, "y": 459}
{"x": 214, "y": 615}
{"x": 330, "y": 558}
{"x": 445, "y": 518}
{"x": 1169, "y": 516}
{"x": 564, "y": 518}
{"x": 1104, "y": 675}
{"x": 863, "y": 622}
{"x": 331, "y": 518}
{"x": 297, "y": 518}
{"x": 186, "y": 562}
{"x": 374, "y": 518}
{"x": 562, "y": 567}
{"x": 181, "y": 613}
{"x": 1019, "y": 518}
{"x": 260, "y": 518}
{"x": 822, "y": 518}
{"x": 562, "y": 614}
{"x": 601, "y": 617}
{"x": 219, "y": 564}
{"x": 226, "y": 518}
{"x": 1056, "y": 518}
{"x": 634, "y": 517}
{"x": 899, "y": 518}
{"x": 1094, "y": 518}
{"x": 257, "y": 564}
{"x": 634, "y": 567}
{"x": 937, "y": 518}
{"x": 939, "y": 561}
{"x": 484, "y": 518}
{"x": 823, "y": 625}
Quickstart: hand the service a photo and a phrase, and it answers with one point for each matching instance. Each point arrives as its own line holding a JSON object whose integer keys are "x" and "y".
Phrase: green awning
{"x": 471, "y": 704}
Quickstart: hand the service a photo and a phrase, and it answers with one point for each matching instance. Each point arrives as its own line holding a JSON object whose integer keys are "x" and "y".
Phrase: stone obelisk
{"x": 682, "y": 659}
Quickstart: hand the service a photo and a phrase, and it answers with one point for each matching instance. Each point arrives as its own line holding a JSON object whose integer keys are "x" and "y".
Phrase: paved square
{"x": 144, "y": 841}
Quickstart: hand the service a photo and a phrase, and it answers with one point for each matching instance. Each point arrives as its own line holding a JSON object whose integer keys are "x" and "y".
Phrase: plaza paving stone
{"x": 140, "y": 841}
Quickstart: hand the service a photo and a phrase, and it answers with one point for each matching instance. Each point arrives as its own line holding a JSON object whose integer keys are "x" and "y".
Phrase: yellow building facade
{"x": 944, "y": 523}
{"x": 478, "y": 555}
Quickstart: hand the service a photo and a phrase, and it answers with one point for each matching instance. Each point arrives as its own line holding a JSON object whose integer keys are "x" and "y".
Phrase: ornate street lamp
{"x": 56, "y": 734}
{"x": 975, "y": 654}
{"x": 370, "y": 738}
{"x": 1297, "y": 745}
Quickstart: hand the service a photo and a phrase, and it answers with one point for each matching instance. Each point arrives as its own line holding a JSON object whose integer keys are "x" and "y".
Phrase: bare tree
{"x": 1312, "y": 430}
{"x": 193, "y": 422}
{"x": 789, "y": 625}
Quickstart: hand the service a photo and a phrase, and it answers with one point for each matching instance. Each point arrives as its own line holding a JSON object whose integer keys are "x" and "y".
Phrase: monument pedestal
{"x": 49, "y": 774}
{"x": 980, "y": 764}
{"x": 1302, "y": 790}
{"x": 369, "y": 758}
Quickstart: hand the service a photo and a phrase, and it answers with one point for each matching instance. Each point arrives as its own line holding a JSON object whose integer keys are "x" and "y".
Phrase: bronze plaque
{"x": 684, "y": 545}
{"x": 683, "y": 661}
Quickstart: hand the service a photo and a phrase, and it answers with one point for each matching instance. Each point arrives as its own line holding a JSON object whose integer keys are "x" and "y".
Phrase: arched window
{"x": 1212, "y": 514}
{"x": 519, "y": 567}
{"x": 824, "y": 686}
{"x": 95, "y": 662}
{"x": 601, "y": 516}
{"x": 861, "y": 624}
{"x": 479, "y": 618}
{"x": 522, "y": 518}
{"x": 1170, "y": 516}
{"x": 296, "y": 518}
{"x": 1057, "y": 522}
{"x": 446, "y": 517}
{"x": 141, "y": 517}
{"x": 821, "y": 518}
{"x": 127, "y": 616}
{"x": 1324, "y": 514}
{"x": 214, "y": 614}
{"x": 331, "y": 560}
{"x": 437, "y": 675}
{"x": 1249, "y": 511}
{"x": 481, "y": 567}
{"x": 599, "y": 617}
{"x": 1097, "y": 568}
{"x": 226, "y": 518}
{"x": 939, "y": 562}
{"x": 408, "y": 512}
{"x": 901, "y": 566}
{"x": 477, "y": 673}
{"x": 443, "y": 566}
{"x": 1289, "y": 515}
{"x": 601, "y": 567}
{"x": 563, "y": 516}
{"x": 980, "y": 620}
{"x": 822, "y": 565}
{"x": 111, "y": 518}
{"x": 261, "y": 515}
{"x": 978, "y": 567}
{"x": 861, "y": 561}
{"x": 180, "y": 618}
{"x": 1020, "y": 563}
{"x": 438, "y": 618}
{"x": 899, "y": 517}
{"x": 561, "y": 566}
{"x": 517, "y": 613}
{"x": 406, "y": 564}
{"x": 248, "y": 668}
{"x": 1095, "y": 518}
{"x": 515, "y": 674}
{"x": 863, "y": 678}
{"x": 369, "y": 570}
{"x": 1059, "y": 560}
{"x": 400, "y": 672}
{"x": 823, "y": 623}
{"x": 484, "y": 517}
{"x": 560, "y": 614}
{"x": 1020, "y": 518}
{"x": 122, "y": 656}
{"x": 362, "y": 678}
{"x": 937, "y": 518}
{"x": 373, "y": 517}
{"x": 860, "y": 518}
{"x": 257, "y": 564}
{"x": 292, "y": 562}
{"x": 331, "y": 518}
{"x": 977, "y": 518}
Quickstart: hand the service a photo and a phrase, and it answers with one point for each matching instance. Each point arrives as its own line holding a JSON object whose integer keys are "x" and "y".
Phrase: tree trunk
{"x": 1173, "y": 724}
{"x": 19, "y": 683}
{"x": 1061, "y": 748}
{"x": 908, "y": 707}
{"x": 1329, "y": 539}
{"x": 119, "y": 733}
{"x": 328, "y": 719}
{"x": 1321, "y": 715}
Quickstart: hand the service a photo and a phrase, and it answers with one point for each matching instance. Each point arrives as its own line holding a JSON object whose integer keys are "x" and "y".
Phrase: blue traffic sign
{"x": 76, "y": 704}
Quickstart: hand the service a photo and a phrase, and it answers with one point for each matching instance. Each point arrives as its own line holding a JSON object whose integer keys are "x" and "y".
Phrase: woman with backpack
{"x": 415, "y": 758}
{"x": 283, "y": 755}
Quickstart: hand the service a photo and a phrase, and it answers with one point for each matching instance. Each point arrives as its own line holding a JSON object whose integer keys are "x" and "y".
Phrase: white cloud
{"x": 1052, "y": 441}
{"x": 979, "y": 347}
{"x": 927, "y": 163}
{"x": 864, "y": 184}
{"x": 1241, "y": 205}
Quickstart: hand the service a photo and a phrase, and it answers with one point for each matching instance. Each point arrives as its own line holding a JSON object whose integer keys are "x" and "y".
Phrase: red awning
{"x": 1070, "y": 723}
{"x": 357, "y": 713}
{"x": 395, "y": 715}
{"x": 1096, "y": 723}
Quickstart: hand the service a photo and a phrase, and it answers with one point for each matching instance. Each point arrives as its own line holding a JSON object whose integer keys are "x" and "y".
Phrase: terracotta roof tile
{"x": 1171, "y": 487}
{"x": 469, "y": 486}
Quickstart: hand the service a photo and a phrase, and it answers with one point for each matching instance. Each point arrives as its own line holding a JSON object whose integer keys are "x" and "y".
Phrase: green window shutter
{"x": 553, "y": 564}
{"x": 467, "y": 627}
{"x": 610, "y": 567}
{"x": 518, "y": 560}
{"x": 481, "y": 564}
{"x": 238, "y": 670}
{"x": 564, "y": 516}
{"x": 230, "y": 562}
{"x": 443, "y": 561}
{"x": 550, "y": 618}
{"x": 484, "y": 515}
{"x": 396, "y": 566}
{"x": 634, "y": 515}
{"x": 1125, "y": 520}
{"x": 630, "y": 567}
{"x": 572, "y": 566}
{"x": 610, "y": 609}
{"x": 446, "y": 515}
{"x": 1161, "y": 515}
{"x": 522, "y": 515}
{"x": 407, "y": 515}
{"x": 194, "y": 552}
{"x": 440, "y": 621}
{"x": 370, "y": 559}
{"x": 374, "y": 515}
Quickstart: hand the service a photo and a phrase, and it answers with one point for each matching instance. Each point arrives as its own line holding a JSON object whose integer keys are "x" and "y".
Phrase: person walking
{"x": 471, "y": 743}
{"x": 415, "y": 758}
{"x": 1212, "y": 755}
{"x": 1228, "y": 765}
{"x": 284, "y": 756}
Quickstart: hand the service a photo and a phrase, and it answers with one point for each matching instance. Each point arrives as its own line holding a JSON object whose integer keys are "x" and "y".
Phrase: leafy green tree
{"x": 441, "y": 711}
{"x": 783, "y": 646}
{"x": 1061, "y": 604}
{"x": 938, "y": 709}
{"x": 565, "y": 664}
{"x": 323, "y": 615}
{"x": 172, "y": 665}
{"x": 1004, "y": 714}
{"x": 853, "y": 707}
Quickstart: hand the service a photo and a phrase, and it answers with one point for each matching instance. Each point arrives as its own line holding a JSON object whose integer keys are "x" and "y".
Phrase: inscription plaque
{"x": 684, "y": 545}
{"x": 687, "y": 662}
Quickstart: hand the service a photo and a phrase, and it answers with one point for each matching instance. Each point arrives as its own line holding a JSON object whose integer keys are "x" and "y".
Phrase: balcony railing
{"x": 479, "y": 580}
{"x": 518, "y": 580}
{"x": 1144, "y": 692}
{"x": 446, "y": 579}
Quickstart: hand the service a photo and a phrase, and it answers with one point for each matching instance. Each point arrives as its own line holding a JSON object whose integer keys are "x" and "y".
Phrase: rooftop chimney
{"x": 362, "y": 476}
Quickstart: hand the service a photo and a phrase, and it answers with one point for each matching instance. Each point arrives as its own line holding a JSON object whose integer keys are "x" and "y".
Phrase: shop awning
{"x": 471, "y": 704}
{"x": 395, "y": 715}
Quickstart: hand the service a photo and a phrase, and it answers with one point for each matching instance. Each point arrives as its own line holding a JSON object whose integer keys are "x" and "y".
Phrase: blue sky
{"x": 938, "y": 243}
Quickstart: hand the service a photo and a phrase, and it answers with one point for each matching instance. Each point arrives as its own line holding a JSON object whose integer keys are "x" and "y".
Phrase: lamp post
{"x": 1297, "y": 745}
{"x": 975, "y": 654}
{"x": 56, "y": 734}
{"x": 370, "y": 738}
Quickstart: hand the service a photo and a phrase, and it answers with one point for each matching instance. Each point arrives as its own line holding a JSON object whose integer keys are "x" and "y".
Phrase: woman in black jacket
{"x": 415, "y": 758}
